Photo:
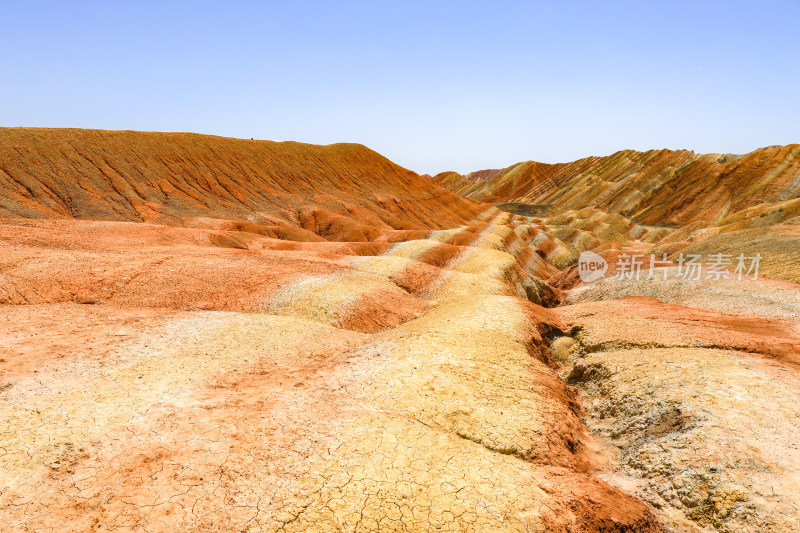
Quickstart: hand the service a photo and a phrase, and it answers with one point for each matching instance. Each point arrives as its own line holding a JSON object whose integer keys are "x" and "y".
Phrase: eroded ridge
{"x": 291, "y": 387}
{"x": 209, "y": 334}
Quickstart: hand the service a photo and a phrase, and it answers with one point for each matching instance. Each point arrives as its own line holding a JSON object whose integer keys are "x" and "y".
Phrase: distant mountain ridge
{"x": 656, "y": 187}
{"x": 169, "y": 178}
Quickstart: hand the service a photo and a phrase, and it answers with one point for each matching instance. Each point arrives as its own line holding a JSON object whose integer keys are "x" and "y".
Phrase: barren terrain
{"x": 211, "y": 334}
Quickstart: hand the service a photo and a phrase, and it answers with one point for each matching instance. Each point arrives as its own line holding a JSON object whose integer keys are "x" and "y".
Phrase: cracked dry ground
{"x": 179, "y": 385}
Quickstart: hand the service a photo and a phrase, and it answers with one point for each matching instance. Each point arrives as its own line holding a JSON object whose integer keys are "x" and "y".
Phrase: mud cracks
{"x": 266, "y": 389}
{"x": 699, "y": 408}
{"x": 403, "y": 386}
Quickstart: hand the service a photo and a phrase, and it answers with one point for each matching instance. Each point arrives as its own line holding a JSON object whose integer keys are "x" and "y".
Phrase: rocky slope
{"x": 343, "y": 191}
{"x": 657, "y": 187}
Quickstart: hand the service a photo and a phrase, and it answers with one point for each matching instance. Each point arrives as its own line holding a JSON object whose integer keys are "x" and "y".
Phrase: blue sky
{"x": 432, "y": 85}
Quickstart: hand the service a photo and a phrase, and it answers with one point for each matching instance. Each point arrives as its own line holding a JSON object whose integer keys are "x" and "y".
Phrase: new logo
{"x": 591, "y": 267}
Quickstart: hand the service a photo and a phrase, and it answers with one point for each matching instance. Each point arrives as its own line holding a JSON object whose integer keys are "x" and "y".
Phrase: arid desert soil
{"x": 206, "y": 334}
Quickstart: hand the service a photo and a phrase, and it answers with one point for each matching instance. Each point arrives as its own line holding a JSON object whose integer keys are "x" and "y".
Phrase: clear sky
{"x": 432, "y": 85}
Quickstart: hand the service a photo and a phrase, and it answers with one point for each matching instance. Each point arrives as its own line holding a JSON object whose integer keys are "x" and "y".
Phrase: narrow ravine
{"x": 698, "y": 409}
